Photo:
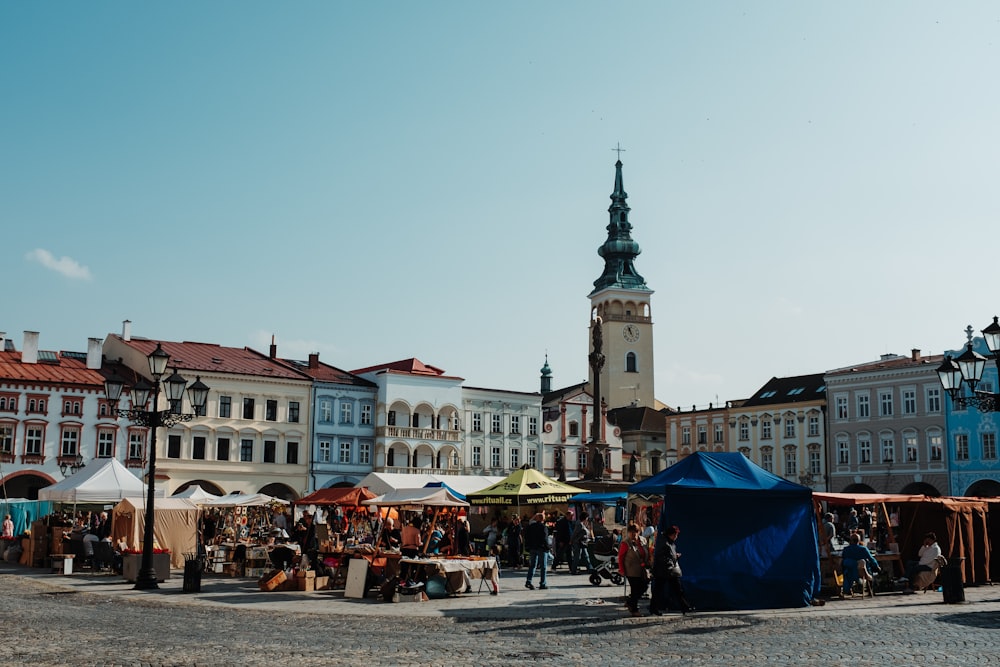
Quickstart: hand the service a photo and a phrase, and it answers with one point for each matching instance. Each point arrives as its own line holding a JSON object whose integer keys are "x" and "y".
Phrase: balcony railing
{"x": 414, "y": 433}
{"x": 423, "y": 471}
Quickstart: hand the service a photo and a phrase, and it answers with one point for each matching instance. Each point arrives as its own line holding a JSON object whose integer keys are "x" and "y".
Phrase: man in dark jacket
{"x": 536, "y": 539}
{"x": 564, "y": 531}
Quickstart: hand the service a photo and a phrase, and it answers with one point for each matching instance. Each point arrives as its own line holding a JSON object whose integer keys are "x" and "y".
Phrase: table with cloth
{"x": 459, "y": 572}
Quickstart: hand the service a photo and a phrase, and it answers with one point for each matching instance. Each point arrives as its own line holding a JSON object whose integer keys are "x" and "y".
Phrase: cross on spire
{"x": 618, "y": 149}
{"x": 968, "y": 333}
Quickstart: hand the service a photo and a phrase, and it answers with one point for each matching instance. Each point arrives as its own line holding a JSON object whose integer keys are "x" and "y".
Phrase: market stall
{"x": 238, "y": 534}
{"x": 108, "y": 482}
{"x": 454, "y": 573}
{"x": 175, "y": 526}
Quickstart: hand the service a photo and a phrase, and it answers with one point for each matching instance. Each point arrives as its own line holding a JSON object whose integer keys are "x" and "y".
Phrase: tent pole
{"x": 427, "y": 542}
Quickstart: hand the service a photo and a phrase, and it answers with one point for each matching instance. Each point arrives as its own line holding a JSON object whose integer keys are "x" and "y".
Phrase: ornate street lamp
{"x": 968, "y": 367}
{"x": 68, "y": 467}
{"x": 153, "y": 419}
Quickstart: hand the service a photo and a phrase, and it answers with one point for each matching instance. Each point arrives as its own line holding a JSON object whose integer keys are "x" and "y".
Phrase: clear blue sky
{"x": 812, "y": 184}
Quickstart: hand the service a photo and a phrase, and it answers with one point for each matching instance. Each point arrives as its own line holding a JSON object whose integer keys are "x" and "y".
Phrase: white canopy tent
{"x": 195, "y": 494}
{"x": 383, "y": 482}
{"x": 417, "y": 498}
{"x": 243, "y": 500}
{"x": 103, "y": 481}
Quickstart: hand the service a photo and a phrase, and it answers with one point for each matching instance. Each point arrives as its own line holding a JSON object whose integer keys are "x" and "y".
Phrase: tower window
{"x": 630, "y": 365}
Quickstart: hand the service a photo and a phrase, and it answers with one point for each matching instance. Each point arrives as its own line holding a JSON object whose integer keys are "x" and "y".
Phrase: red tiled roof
{"x": 68, "y": 370}
{"x": 210, "y": 357}
{"x": 411, "y": 366}
{"x": 327, "y": 373}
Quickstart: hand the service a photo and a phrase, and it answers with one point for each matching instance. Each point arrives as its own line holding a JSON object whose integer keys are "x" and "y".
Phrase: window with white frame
{"x": 366, "y": 414}
{"x": 885, "y": 403}
{"x": 744, "y": 430}
{"x": 70, "y": 441}
{"x": 390, "y": 418}
{"x": 246, "y": 450}
{"x": 325, "y": 410}
{"x": 495, "y": 459}
{"x": 989, "y": 445}
{"x": 270, "y": 451}
{"x": 910, "y": 446}
{"x": 515, "y": 427}
{"x": 841, "y": 403}
{"x": 815, "y": 462}
{"x": 346, "y": 412}
{"x": 843, "y": 452}
{"x": 515, "y": 458}
{"x": 888, "y": 448}
{"x": 864, "y": 449}
{"x": 767, "y": 459}
{"x": 702, "y": 435}
{"x": 909, "y": 401}
{"x": 532, "y": 426}
{"x": 324, "y": 451}
{"x": 345, "y": 451}
{"x": 789, "y": 427}
{"x": 496, "y": 423}
{"x": 864, "y": 406}
{"x": 6, "y": 438}
{"x": 686, "y": 435}
{"x": 136, "y": 445}
{"x": 765, "y": 429}
{"x": 477, "y": 421}
{"x": 574, "y": 429}
{"x": 813, "y": 426}
{"x": 935, "y": 446}
{"x": 365, "y": 452}
{"x": 532, "y": 458}
{"x": 581, "y": 459}
{"x": 933, "y": 399}
{"x": 105, "y": 444}
{"x": 225, "y": 407}
{"x": 33, "y": 440}
{"x": 293, "y": 412}
{"x": 292, "y": 453}
{"x": 791, "y": 462}
{"x": 719, "y": 433}
{"x": 961, "y": 447}
{"x": 477, "y": 456}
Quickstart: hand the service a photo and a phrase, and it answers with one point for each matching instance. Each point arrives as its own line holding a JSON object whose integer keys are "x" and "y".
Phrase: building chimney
{"x": 127, "y": 330}
{"x": 94, "y": 354}
{"x": 314, "y": 360}
{"x": 3, "y": 341}
{"x": 29, "y": 354}
{"x": 274, "y": 348}
{"x": 915, "y": 354}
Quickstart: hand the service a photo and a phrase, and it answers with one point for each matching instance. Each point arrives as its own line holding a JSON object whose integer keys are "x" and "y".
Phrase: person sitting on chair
{"x": 851, "y": 556}
{"x": 929, "y": 551}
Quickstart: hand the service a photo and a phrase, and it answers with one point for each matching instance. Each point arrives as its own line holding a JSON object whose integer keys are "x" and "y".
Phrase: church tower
{"x": 622, "y": 300}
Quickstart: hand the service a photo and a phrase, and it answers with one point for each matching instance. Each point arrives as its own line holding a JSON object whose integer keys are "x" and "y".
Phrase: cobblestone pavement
{"x": 98, "y": 620}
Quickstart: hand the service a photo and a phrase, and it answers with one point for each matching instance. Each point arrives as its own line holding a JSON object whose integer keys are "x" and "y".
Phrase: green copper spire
{"x": 619, "y": 251}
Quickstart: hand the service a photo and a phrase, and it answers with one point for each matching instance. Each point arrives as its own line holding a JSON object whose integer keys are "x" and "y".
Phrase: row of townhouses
{"x": 287, "y": 427}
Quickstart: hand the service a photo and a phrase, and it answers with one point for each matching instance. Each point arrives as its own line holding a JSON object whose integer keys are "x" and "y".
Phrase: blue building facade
{"x": 342, "y": 447}
{"x": 973, "y": 464}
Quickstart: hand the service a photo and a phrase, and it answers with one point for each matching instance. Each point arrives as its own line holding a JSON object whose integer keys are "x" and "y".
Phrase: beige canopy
{"x": 175, "y": 525}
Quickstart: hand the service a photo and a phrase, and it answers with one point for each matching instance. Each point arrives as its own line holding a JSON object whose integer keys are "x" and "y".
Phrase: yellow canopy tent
{"x": 525, "y": 486}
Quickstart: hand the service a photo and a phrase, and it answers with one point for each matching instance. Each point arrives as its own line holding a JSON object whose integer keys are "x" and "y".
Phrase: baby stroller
{"x": 606, "y": 562}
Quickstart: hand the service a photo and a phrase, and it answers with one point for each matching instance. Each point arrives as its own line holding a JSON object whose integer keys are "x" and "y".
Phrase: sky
{"x": 812, "y": 185}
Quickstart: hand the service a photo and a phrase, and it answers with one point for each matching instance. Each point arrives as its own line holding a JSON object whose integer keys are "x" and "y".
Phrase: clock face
{"x": 631, "y": 333}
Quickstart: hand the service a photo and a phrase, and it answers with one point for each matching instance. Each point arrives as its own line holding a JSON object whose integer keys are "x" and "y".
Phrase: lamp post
{"x": 968, "y": 367}
{"x": 153, "y": 419}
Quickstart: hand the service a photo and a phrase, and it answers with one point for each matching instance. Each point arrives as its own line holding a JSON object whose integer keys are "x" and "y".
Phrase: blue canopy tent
{"x": 748, "y": 537}
{"x": 616, "y": 499}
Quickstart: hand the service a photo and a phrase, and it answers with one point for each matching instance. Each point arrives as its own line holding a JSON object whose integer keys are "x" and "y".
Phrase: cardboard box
{"x": 271, "y": 580}
{"x": 322, "y": 583}
{"x": 306, "y": 580}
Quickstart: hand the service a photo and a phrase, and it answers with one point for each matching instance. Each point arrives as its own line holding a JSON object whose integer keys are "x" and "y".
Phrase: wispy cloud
{"x": 67, "y": 266}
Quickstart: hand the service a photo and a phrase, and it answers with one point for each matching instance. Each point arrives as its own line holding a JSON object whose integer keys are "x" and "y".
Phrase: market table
{"x": 460, "y": 571}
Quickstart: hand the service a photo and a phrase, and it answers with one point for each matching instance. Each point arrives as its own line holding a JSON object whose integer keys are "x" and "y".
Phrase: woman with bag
{"x": 669, "y": 570}
{"x": 633, "y": 558}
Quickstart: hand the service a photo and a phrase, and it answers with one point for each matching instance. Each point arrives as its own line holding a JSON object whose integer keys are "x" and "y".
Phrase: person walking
{"x": 579, "y": 542}
{"x": 633, "y": 558}
{"x": 536, "y": 539}
{"x": 564, "y": 531}
{"x": 672, "y": 569}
